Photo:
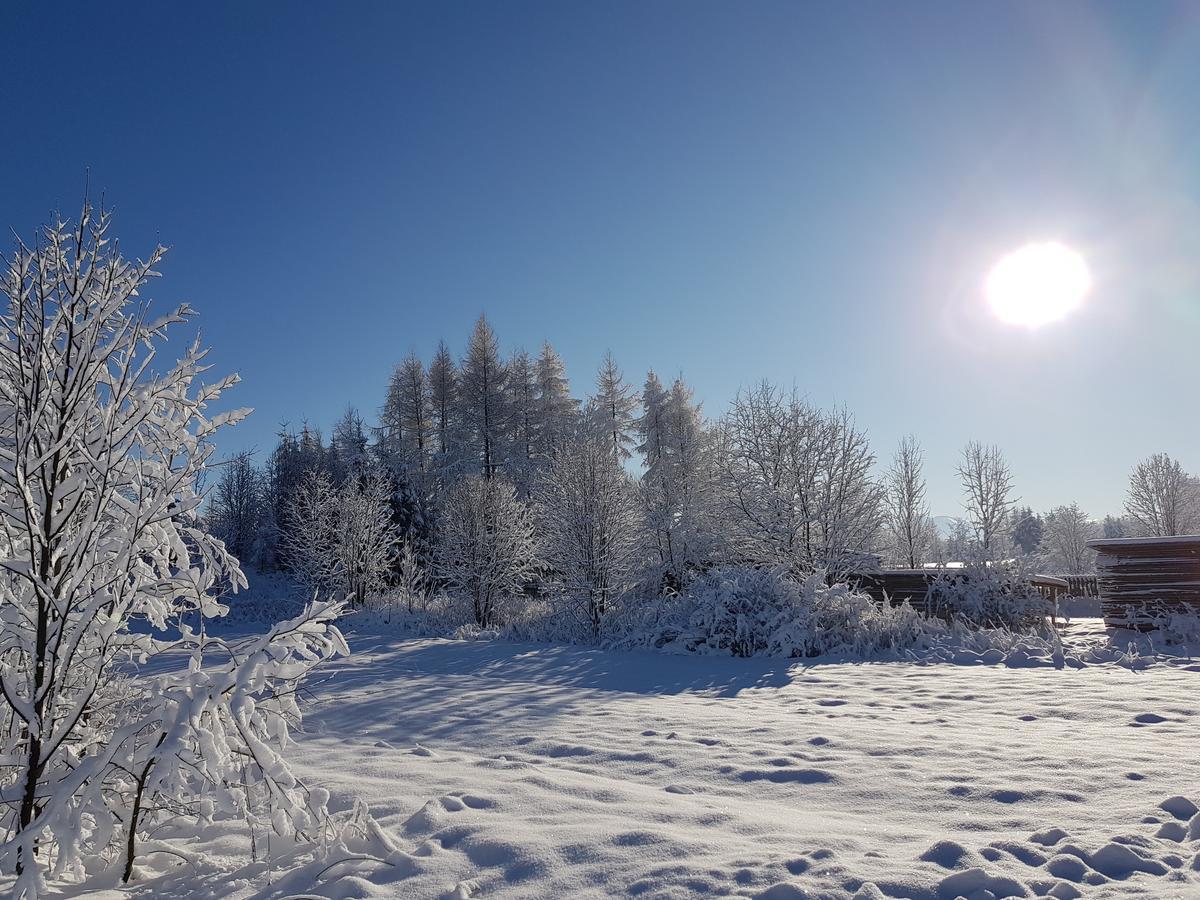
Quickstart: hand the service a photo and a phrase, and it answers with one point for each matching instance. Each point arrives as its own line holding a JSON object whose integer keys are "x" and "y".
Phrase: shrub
{"x": 991, "y": 595}
{"x": 764, "y": 612}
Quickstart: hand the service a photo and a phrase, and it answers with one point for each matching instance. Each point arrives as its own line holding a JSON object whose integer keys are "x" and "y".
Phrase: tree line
{"x": 484, "y": 476}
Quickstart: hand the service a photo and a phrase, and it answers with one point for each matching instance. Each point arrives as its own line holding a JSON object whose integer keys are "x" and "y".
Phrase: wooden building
{"x": 1141, "y": 579}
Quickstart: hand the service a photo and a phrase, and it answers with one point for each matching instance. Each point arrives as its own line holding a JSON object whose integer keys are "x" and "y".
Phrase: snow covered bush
{"x": 101, "y": 554}
{"x": 1180, "y": 627}
{"x": 740, "y": 611}
{"x": 988, "y": 595}
{"x": 743, "y": 611}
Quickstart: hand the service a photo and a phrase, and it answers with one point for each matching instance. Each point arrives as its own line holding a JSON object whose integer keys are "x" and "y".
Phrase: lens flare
{"x": 1037, "y": 284}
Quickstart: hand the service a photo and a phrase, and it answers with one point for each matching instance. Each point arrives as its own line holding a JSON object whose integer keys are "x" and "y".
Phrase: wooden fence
{"x": 912, "y": 585}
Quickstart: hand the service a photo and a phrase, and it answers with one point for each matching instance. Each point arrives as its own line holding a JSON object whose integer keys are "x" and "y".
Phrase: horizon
{"x": 702, "y": 194}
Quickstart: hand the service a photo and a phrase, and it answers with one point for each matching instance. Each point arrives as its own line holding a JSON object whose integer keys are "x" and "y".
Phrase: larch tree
{"x": 405, "y": 432}
{"x": 483, "y": 398}
{"x": 613, "y": 410}
{"x": 443, "y": 401}
{"x": 101, "y": 457}
{"x": 524, "y": 420}
{"x": 558, "y": 411}
{"x": 677, "y": 488}
{"x": 348, "y": 456}
{"x": 987, "y": 488}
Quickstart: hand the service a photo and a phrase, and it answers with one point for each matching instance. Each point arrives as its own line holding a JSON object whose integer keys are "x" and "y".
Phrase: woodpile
{"x": 1143, "y": 579}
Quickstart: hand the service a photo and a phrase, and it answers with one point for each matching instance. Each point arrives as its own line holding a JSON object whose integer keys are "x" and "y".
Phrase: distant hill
{"x": 945, "y": 525}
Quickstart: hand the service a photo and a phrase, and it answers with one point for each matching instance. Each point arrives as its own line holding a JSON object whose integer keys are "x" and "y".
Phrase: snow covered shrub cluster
{"x": 103, "y": 561}
{"x": 1180, "y": 628}
{"x": 988, "y": 595}
{"x": 742, "y": 611}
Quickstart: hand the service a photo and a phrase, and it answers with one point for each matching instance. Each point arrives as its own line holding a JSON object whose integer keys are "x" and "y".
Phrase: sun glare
{"x": 1037, "y": 284}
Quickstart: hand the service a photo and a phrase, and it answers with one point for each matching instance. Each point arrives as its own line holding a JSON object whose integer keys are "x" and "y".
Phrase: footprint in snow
{"x": 1147, "y": 719}
{"x": 1172, "y": 831}
{"x": 1049, "y": 837}
{"x": 789, "y": 776}
{"x": 421, "y": 751}
{"x": 678, "y": 789}
{"x": 464, "y": 890}
{"x": 948, "y": 855}
{"x": 1180, "y": 807}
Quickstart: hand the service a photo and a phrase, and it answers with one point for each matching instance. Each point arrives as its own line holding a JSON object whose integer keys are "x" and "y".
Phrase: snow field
{"x": 530, "y": 771}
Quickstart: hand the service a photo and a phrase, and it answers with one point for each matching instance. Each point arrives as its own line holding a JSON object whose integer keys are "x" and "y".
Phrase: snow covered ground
{"x": 530, "y": 771}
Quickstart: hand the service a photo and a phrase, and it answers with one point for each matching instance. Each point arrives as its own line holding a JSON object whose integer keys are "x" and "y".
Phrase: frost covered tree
{"x": 366, "y": 538}
{"x": 590, "y": 518}
{"x": 613, "y": 409}
{"x": 236, "y": 506}
{"x": 524, "y": 418}
{"x": 678, "y": 487}
{"x": 1115, "y": 527}
{"x": 558, "y": 411}
{"x": 1162, "y": 498}
{"x": 910, "y": 526}
{"x": 342, "y": 541}
{"x": 798, "y": 481}
{"x": 101, "y": 455}
{"x": 405, "y": 427}
{"x": 486, "y": 549}
{"x": 987, "y": 487}
{"x": 309, "y": 543}
{"x": 348, "y": 456}
{"x": 443, "y": 401}
{"x": 482, "y": 397}
{"x": 412, "y": 579}
{"x": 1064, "y": 546}
{"x": 294, "y": 458}
{"x": 1026, "y": 530}
{"x": 960, "y": 545}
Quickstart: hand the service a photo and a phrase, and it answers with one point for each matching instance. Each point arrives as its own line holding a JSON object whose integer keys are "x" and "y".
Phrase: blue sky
{"x": 808, "y": 192}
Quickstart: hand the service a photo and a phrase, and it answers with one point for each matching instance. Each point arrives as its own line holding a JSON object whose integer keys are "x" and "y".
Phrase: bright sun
{"x": 1037, "y": 284}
